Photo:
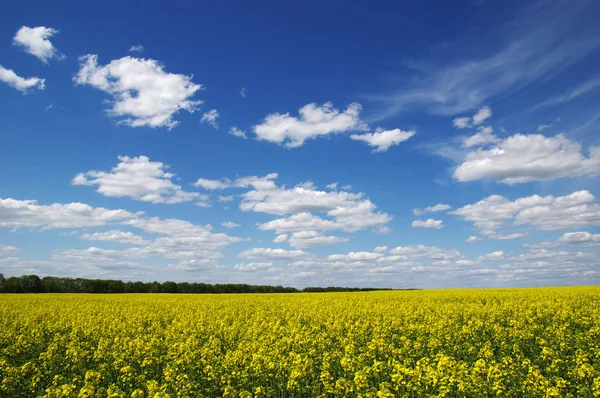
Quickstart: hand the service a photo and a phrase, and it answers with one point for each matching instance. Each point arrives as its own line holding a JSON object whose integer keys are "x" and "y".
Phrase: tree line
{"x": 51, "y": 284}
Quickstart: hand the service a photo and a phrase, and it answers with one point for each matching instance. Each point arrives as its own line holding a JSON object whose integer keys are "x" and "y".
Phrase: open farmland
{"x": 512, "y": 343}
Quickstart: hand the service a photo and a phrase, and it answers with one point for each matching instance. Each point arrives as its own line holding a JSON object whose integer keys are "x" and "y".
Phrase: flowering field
{"x": 510, "y": 343}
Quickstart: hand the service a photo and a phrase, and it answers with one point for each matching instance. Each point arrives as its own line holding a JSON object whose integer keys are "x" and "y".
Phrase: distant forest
{"x": 51, "y": 284}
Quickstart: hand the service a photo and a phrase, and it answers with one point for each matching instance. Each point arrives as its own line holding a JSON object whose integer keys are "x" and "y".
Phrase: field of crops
{"x": 510, "y": 343}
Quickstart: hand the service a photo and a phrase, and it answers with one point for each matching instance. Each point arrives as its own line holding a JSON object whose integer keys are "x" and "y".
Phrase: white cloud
{"x": 432, "y": 209}
{"x": 574, "y": 239}
{"x": 380, "y": 249}
{"x": 314, "y": 121}
{"x": 472, "y": 238}
{"x": 482, "y": 115}
{"x": 413, "y": 252}
{"x": 350, "y": 212}
{"x": 212, "y": 184}
{"x": 515, "y": 235}
{"x": 333, "y": 186}
{"x": 36, "y": 42}
{"x": 462, "y": 122}
{"x": 139, "y": 179}
{"x": 307, "y": 239}
{"x": 576, "y": 210}
{"x": 355, "y": 256}
{"x": 116, "y": 236}
{"x": 29, "y": 214}
{"x": 497, "y": 255}
{"x": 483, "y": 136}
{"x": 237, "y": 132}
{"x": 543, "y": 127}
{"x": 22, "y": 84}
{"x": 243, "y": 92}
{"x": 253, "y": 267}
{"x": 136, "y": 48}
{"x": 429, "y": 223}
{"x": 274, "y": 254}
{"x": 225, "y": 198}
{"x": 523, "y": 158}
{"x": 281, "y": 238}
{"x": 382, "y": 140}
{"x": 211, "y": 117}
{"x": 230, "y": 225}
{"x": 142, "y": 92}
{"x": 7, "y": 250}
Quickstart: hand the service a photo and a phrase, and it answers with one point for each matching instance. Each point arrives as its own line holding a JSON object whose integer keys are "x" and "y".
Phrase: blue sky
{"x": 353, "y": 144}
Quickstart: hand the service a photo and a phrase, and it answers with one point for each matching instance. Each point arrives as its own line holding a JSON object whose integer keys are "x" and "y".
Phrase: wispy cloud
{"x": 538, "y": 44}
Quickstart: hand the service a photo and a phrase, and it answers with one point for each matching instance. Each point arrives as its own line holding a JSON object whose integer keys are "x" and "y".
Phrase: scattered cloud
{"x": 8, "y": 250}
{"x": 380, "y": 249}
{"x": 483, "y": 136}
{"x": 462, "y": 122}
{"x": 432, "y": 209}
{"x": 22, "y": 84}
{"x": 116, "y": 236}
{"x": 211, "y": 117}
{"x": 308, "y": 239}
{"x": 237, "y": 132}
{"x": 547, "y": 213}
{"x": 140, "y": 179}
{"x": 36, "y": 42}
{"x": 429, "y": 223}
{"x": 472, "y": 238}
{"x": 313, "y": 121}
{"x": 482, "y": 115}
{"x": 274, "y": 254}
{"x": 529, "y": 157}
{"x": 17, "y": 214}
{"x": 243, "y": 92}
{"x": 212, "y": 184}
{"x": 382, "y": 140}
{"x": 137, "y": 49}
{"x": 230, "y": 225}
{"x": 253, "y": 267}
{"x": 143, "y": 94}
{"x": 497, "y": 255}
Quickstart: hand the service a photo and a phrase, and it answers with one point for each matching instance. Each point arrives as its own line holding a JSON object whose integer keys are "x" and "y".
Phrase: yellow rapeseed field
{"x": 453, "y": 343}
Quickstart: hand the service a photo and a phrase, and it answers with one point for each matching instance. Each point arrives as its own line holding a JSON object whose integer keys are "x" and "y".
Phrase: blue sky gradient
{"x": 129, "y": 132}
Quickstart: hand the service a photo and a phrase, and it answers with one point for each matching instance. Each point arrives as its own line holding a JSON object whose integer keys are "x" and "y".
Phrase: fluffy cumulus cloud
{"x": 576, "y": 210}
{"x": 472, "y": 238}
{"x": 22, "y": 84}
{"x": 497, "y": 255}
{"x": 529, "y": 157}
{"x": 17, "y": 214}
{"x": 348, "y": 212}
{"x": 429, "y": 223}
{"x": 211, "y": 117}
{"x": 128, "y": 238}
{"x": 36, "y": 41}
{"x": 483, "y": 136}
{"x": 140, "y": 179}
{"x": 481, "y": 116}
{"x": 143, "y": 93}
{"x": 313, "y": 121}
{"x": 432, "y": 209}
{"x": 382, "y": 140}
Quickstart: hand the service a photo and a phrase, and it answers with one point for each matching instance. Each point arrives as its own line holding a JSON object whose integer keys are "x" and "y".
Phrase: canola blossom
{"x": 453, "y": 343}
